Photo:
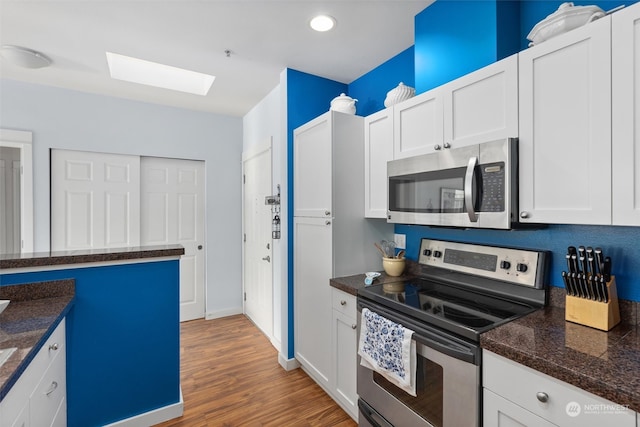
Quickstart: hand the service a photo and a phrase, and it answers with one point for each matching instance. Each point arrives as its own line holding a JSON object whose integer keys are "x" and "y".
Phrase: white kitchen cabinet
{"x": 482, "y": 106}
{"x": 565, "y": 128}
{"x": 625, "y": 68}
{"x": 331, "y": 236}
{"x": 479, "y": 107}
{"x": 378, "y": 150}
{"x": 345, "y": 350}
{"x": 38, "y": 398}
{"x": 312, "y": 296}
{"x": 518, "y": 395}
{"x": 418, "y": 124}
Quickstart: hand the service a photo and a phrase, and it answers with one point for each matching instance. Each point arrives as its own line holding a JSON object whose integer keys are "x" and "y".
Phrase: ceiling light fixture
{"x": 154, "y": 74}
{"x": 24, "y": 57}
{"x": 322, "y": 23}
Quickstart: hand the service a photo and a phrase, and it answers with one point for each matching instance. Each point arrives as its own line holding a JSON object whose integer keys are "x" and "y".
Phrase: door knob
{"x": 199, "y": 247}
{"x": 267, "y": 258}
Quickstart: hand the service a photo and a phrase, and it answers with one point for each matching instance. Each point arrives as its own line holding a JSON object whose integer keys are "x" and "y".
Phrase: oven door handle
{"x": 371, "y": 415}
{"x": 446, "y": 345}
{"x": 468, "y": 189}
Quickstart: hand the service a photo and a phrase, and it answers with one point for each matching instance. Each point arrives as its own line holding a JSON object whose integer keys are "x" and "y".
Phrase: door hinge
{"x": 245, "y": 296}
{"x": 244, "y": 179}
{"x": 245, "y": 238}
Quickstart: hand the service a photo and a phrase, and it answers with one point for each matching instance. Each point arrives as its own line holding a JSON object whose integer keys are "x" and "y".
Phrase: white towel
{"x": 387, "y": 348}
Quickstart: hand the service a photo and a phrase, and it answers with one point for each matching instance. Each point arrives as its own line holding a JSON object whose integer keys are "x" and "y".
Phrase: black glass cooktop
{"x": 458, "y": 310}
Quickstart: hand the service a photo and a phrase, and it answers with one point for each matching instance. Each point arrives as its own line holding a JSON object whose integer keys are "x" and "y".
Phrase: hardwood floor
{"x": 231, "y": 377}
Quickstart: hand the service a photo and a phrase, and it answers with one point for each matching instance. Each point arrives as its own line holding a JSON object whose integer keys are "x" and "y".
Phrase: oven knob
{"x": 426, "y": 252}
{"x": 521, "y": 267}
{"x": 437, "y": 254}
{"x": 505, "y": 265}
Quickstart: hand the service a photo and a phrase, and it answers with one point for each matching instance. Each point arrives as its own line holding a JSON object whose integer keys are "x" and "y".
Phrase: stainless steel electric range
{"x": 463, "y": 290}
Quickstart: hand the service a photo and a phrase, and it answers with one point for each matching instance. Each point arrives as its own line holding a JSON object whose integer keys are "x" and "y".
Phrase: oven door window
{"x": 439, "y": 191}
{"x": 428, "y": 402}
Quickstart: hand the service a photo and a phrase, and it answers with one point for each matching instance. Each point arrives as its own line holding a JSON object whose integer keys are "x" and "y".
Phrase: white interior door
{"x": 172, "y": 212}
{"x": 258, "y": 250}
{"x": 95, "y": 200}
{"x": 10, "y": 240}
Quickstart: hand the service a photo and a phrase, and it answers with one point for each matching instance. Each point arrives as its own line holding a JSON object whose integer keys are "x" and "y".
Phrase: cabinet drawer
{"x": 50, "y": 393}
{"x": 344, "y": 303}
{"x": 565, "y": 405}
{"x": 31, "y": 377}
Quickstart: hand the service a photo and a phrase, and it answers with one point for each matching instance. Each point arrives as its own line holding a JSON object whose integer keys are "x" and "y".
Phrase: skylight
{"x": 150, "y": 73}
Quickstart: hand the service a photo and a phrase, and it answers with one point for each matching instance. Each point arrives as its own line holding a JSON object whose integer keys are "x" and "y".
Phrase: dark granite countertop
{"x": 351, "y": 284}
{"x": 606, "y": 364}
{"x": 42, "y": 259}
{"x": 34, "y": 311}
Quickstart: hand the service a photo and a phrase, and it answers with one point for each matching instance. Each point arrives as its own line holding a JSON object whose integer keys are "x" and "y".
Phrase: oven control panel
{"x": 519, "y": 266}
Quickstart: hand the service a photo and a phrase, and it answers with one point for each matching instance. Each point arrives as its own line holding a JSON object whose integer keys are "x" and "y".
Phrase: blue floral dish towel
{"x": 387, "y": 348}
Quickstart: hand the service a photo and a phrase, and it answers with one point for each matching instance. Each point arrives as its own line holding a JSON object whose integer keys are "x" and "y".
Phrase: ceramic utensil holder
{"x": 595, "y": 314}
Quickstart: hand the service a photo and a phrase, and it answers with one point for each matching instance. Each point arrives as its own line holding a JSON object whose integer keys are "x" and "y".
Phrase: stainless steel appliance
{"x": 464, "y": 290}
{"x": 474, "y": 186}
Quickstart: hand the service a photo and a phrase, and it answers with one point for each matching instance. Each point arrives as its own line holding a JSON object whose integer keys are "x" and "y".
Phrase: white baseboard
{"x": 154, "y": 417}
{"x": 288, "y": 364}
{"x": 223, "y": 313}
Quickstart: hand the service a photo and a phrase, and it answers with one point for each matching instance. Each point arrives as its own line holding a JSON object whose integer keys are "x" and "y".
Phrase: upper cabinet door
{"x": 565, "y": 128}
{"x": 626, "y": 115}
{"x": 378, "y": 150}
{"x": 312, "y": 151}
{"x": 482, "y": 106}
{"x": 418, "y": 125}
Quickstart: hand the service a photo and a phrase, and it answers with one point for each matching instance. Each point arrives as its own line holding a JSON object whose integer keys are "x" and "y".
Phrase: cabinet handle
{"x": 343, "y": 302}
{"x": 542, "y": 396}
{"x": 447, "y": 145}
{"x": 524, "y": 214}
{"x": 327, "y": 213}
{"x": 54, "y": 346}
{"x": 437, "y": 147}
{"x": 52, "y": 388}
{"x": 354, "y": 326}
{"x": 327, "y": 223}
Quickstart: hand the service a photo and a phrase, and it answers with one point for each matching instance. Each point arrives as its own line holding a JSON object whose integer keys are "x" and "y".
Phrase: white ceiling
{"x": 264, "y": 37}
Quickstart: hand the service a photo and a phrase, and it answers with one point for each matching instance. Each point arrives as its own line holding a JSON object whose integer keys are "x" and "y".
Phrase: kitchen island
{"x": 123, "y": 332}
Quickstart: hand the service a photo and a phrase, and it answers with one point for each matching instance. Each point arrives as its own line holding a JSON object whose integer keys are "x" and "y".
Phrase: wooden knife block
{"x": 598, "y": 315}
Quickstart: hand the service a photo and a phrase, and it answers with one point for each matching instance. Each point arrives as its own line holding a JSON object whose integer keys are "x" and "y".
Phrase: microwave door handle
{"x": 468, "y": 189}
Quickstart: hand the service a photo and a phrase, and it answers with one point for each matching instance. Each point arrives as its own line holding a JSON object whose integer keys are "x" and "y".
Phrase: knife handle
{"x": 605, "y": 289}
{"x": 599, "y": 259}
{"x": 606, "y": 269}
{"x": 567, "y": 287}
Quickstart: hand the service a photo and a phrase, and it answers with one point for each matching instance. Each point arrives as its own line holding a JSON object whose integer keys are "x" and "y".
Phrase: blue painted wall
{"x": 123, "y": 339}
{"x": 371, "y": 89}
{"x": 308, "y": 96}
{"x": 454, "y": 38}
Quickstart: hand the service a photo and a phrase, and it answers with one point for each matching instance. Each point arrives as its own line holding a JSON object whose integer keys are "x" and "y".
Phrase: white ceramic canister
{"x": 398, "y": 94}
{"x": 344, "y": 104}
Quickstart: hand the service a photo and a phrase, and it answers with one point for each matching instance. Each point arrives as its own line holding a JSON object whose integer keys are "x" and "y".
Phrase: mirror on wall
{"x": 16, "y": 192}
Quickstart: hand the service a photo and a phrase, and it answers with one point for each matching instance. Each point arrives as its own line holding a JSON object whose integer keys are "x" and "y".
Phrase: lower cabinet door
{"x": 346, "y": 353}
{"x": 500, "y": 412}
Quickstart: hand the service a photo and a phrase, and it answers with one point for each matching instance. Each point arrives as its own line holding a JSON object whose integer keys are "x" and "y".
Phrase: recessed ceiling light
{"x": 322, "y": 23}
{"x": 24, "y": 57}
{"x": 150, "y": 73}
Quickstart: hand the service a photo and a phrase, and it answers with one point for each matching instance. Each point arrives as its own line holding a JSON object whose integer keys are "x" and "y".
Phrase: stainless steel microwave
{"x": 474, "y": 186}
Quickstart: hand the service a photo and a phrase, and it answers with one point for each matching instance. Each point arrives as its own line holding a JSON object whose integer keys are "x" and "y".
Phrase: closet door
{"x": 172, "y": 212}
{"x": 95, "y": 200}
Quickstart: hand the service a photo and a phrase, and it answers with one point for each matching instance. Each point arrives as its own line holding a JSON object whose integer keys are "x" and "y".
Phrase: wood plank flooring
{"x": 231, "y": 377}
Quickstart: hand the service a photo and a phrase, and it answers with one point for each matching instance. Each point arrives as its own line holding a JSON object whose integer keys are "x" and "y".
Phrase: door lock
{"x": 267, "y": 258}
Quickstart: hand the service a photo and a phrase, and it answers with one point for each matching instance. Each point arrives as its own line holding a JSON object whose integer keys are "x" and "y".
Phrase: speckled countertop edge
{"x": 606, "y": 364}
{"x": 43, "y": 259}
{"x": 587, "y": 358}
{"x": 34, "y": 312}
